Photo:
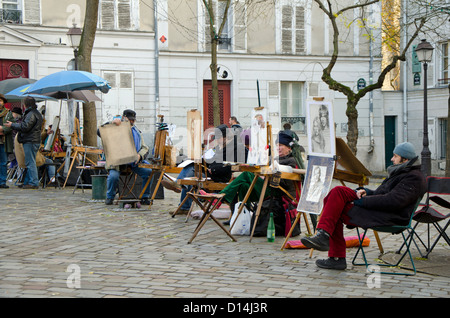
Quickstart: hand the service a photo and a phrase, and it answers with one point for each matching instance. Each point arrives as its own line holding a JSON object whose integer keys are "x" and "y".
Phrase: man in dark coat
{"x": 238, "y": 188}
{"x": 390, "y": 204}
{"x": 29, "y": 134}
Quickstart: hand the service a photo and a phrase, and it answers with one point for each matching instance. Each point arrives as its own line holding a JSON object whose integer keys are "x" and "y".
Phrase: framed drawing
{"x": 320, "y": 128}
{"x": 318, "y": 178}
{"x": 259, "y": 151}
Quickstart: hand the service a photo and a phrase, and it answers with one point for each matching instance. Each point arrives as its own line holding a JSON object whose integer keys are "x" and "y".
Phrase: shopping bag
{"x": 242, "y": 223}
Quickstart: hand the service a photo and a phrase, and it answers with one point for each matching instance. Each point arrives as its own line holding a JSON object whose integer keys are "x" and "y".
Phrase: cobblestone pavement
{"x": 55, "y": 243}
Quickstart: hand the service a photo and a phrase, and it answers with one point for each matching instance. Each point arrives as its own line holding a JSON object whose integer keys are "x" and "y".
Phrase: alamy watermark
{"x": 74, "y": 279}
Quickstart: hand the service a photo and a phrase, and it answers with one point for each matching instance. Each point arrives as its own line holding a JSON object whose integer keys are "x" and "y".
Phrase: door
{"x": 389, "y": 138}
{"x": 13, "y": 69}
{"x": 224, "y": 103}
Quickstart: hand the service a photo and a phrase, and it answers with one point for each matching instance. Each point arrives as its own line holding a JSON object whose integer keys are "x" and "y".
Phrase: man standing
{"x": 142, "y": 150}
{"x": 30, "y": 136}
{"x": 6, "y": 141}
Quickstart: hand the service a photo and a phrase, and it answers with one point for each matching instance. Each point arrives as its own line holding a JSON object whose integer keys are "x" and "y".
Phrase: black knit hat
{"x": 285, "y": 139}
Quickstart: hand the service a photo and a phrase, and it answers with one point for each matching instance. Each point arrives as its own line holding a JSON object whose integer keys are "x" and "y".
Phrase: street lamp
{"x": 424, "y": 53}
{"x": 74, "y": 35}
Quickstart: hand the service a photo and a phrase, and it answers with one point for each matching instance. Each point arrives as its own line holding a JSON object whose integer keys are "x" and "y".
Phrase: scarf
{"x": 395, "y": 168}
{"x": 4, "y": 112}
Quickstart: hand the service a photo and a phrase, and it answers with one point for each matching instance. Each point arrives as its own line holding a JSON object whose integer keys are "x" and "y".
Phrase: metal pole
{"x": 426, "y": 154}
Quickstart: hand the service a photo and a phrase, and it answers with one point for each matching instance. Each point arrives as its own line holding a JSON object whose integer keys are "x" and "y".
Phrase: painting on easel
{"x": 320, "y": 126}
{"x": 319, "y": 175}
{"x": 259, "y": 151}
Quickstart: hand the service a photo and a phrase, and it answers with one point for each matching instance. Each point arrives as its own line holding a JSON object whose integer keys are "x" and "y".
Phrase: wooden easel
{"x": 158, "y": 165}
{"x": 78, "y": 152}
{"x": 200, "y": 179}
{"x": 266, "y": 172}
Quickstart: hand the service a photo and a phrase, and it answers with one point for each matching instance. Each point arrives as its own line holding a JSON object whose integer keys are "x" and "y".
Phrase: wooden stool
{"x": 209, "y": 204}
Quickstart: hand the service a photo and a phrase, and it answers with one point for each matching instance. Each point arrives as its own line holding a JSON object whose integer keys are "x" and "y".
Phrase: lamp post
{"x": 424, "y": 54}
{"x": 74, "y": 35}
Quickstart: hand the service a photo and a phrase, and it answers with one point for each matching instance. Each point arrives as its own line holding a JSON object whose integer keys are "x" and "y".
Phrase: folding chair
{"x": 429, "y": 214}
{"x": 394, "y": 229}
{"x": 208, "y": 203}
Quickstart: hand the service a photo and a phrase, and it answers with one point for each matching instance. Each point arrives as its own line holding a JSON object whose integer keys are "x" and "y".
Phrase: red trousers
{"x": 334, "y": 215}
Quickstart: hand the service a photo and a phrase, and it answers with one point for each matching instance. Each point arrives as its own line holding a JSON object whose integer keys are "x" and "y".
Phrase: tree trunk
{"x": 214, "y": 83}
{"x": 84, "y": 64}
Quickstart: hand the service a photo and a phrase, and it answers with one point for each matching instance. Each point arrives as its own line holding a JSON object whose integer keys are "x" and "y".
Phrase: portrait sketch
{"x": 320, "y": 126}
{"x": 258, "y": 153}
{"x": 318, "y": 178}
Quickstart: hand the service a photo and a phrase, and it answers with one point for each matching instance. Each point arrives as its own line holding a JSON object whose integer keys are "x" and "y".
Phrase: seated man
{"x": 238, "y": 188}
{"x": 142, "y": 150}
{"x": 227, "y": 149}
{"x": 390, "y": 204}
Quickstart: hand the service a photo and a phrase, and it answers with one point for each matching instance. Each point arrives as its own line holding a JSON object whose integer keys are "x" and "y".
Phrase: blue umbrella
{"x": 67, "y": 81}
{"x": 21, "y": 92}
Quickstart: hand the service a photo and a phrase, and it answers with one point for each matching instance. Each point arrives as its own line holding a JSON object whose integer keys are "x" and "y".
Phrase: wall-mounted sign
{"x": 361, "y": 83}
{"x": 416, "y": 78}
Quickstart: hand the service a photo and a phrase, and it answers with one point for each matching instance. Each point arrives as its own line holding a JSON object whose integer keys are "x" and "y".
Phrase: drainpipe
{"x": 405, "y": 77}
{"x": 372, "y": 142}
{"x": 157, "y": 106}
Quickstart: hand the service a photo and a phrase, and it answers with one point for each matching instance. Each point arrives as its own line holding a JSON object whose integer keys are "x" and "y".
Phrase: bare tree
{"x": 84, "y": 64}
{"x": 215, "y": 34}
{"x": 391, "y": 38}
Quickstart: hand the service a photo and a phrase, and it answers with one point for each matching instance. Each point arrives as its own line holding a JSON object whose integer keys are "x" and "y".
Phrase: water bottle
{"x": 271, "y": 229}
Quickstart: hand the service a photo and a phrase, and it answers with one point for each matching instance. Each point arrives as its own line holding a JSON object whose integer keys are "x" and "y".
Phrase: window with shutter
{"x": 117, "y": 15}
{"x": 292, "y": 29}
{"x": 233, "y": 36}
{"x": 240, "y": 26}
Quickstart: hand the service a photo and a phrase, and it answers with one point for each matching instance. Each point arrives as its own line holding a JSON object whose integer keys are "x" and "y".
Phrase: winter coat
{"x": 233, "y": 151}
{"x": 393, "y": 201}
{"x": 8, "y": 133}
{"x": 30, "y": 127}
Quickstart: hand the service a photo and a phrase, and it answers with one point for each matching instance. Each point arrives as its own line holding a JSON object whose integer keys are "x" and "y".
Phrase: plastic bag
{"x": 243, "y": 223}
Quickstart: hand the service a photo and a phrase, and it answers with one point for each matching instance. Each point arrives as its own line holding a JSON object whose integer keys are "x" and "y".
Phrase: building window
{"x": 444, "y": 65}
{"x": 233, "y": 36}
{"x": 10, "y": 11}
{"x": 292, "y": 28}
{"x": 118, "y": 14}
{"x": 442, "y": 138}
{"x": 292, "y": 106}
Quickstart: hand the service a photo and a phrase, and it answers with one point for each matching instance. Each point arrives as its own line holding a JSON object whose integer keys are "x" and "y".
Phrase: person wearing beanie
{"x": 237, "y": 189}
{"x": 390, "y": 204}
{"x": 112, "y": 182}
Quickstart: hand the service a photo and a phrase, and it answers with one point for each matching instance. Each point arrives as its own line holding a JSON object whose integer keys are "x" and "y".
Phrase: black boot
{"x": 332, "y": 263}
{"x": 320, "y": 241}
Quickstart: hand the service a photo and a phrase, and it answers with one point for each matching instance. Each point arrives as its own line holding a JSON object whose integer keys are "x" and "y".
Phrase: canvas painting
{"x": 259, "y": 151}
{"x": 318, "y": 178}
{"x": 320, "y": 128}
{"x": 118, "y": 144}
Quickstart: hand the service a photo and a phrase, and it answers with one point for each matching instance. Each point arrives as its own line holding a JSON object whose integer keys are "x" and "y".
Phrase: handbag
{"x": 242, "y": 223}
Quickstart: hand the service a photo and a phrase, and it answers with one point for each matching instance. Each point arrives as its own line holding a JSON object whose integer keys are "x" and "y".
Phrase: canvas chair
{"x": 394, "y": 229}
{"x": 429, "y": 214}
{"x": 208, "y": 203}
